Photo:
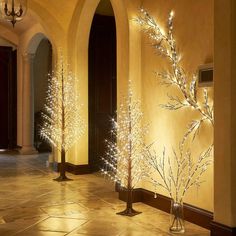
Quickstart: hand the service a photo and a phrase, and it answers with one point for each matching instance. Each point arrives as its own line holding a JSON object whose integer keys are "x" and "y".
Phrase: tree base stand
{"x": 62, "y": 179}
{"x": 129, "y": 212}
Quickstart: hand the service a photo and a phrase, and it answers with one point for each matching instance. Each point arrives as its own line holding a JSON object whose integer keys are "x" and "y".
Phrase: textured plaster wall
{"x": 6, "y": 43}
{"x": 225, "y": 112}
{"x": 9, "y": 35}
{"x": 193, "y": 31}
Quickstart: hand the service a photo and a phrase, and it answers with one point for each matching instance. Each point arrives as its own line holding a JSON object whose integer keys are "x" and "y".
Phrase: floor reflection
{"x": 32, "y": 204}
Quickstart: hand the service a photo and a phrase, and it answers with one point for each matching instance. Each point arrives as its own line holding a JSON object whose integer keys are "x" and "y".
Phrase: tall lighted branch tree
{"x": 180, "y": 172}
{"x": 62, "y": 123}
{"x": 165, "y": 45}
{"x": 124, "y": 162}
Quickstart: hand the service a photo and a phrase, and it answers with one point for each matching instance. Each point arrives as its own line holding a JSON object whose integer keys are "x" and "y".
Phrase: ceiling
{"x": 104, "y": 8}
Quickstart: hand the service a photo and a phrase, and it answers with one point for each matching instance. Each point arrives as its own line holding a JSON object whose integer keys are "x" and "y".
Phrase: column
{"x": 28, "y": 106}
{"x": 225, "y": 118}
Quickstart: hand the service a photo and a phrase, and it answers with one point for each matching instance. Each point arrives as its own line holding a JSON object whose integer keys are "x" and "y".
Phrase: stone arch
{"x": 78, "y": 57}
{"x": 34, "y": 42}
{"x": 50, "y": 25}
{"x": 26, "y": 105}
{"x": 80, "y": 28}
{"x": 31, "y": 40}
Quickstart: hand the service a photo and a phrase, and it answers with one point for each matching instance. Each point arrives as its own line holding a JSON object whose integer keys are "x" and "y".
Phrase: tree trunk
{"x": 62, "y": 168}
{"x": 129, "y": 211}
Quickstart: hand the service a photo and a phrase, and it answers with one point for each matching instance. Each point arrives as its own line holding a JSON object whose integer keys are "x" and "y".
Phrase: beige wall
{"x": 193, "y": 30}
{"x": 225, "y": 113}
{"x": 6, "y": 43}
{"x": 9, "y": 35}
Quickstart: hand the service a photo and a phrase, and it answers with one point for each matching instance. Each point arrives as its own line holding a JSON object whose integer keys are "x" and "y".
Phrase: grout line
{"x": 31, "y": 226}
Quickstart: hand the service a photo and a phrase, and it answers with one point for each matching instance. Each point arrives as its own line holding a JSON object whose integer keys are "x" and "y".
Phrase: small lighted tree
{"x": 62, "y": 123}
{"x": 124, "y": 162}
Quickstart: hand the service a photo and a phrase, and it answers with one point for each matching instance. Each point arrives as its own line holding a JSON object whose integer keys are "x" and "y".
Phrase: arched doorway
{"x": 42, "y": 66}
{"x": 31, "y": 61}
{"x": 8, "y": 88}
{"x": 102, "y": 81}
{"x": 80, "y": 26}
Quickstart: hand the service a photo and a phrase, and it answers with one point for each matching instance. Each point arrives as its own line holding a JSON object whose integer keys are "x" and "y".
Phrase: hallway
{"x": 31, "y": 204}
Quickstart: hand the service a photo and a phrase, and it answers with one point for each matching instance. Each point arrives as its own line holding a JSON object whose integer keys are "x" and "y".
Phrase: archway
{"x": 42, "y": 66}
{"x": 28, "y": 100}
{"x": 8, "y": 83}
{"x": 78, "y": 58}
{"x": 102, "y": 81}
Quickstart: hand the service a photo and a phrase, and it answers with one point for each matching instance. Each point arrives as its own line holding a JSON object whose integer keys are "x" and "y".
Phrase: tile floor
{"x": 32, "y": 204}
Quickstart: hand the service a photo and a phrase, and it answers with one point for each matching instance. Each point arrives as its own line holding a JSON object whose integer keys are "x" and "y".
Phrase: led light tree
{"x": 124, "y": 162}
{"x": 62, "y": 123}
{"x": 165, "y": 45}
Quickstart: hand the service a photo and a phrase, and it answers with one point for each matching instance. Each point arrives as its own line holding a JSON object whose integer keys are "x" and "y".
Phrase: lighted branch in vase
{"x": 165, "y": 45}
{"x": 124, "y": 162}
{"x": 176, "y": 175}
{"x": 62, "y": 123}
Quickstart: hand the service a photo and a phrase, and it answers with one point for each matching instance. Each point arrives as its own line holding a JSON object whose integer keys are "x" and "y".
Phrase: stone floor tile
{"x": 40, "y": 233}
{"x": 10, "y": 229}
{"x": 58, "y": 224}
{"x": 100, "y": 228}
{"x": 32, "y": 204}
{"x": 65, "y": 209}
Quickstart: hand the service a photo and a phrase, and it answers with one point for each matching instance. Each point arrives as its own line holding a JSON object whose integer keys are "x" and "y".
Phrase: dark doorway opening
{"x": 8, "y": 98}
{"x": 41, "y": 68}
{"x": 102, "y": 85}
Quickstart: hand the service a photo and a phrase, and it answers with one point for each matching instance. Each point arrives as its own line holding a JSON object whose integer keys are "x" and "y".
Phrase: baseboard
{"x": 198, "y": 216}
{"x": 160, "y": 202}
{"x": 192, "y": 214}
{"x": 76, "y": 169}
{"x": 137, "y": 194}
{"x": 218, "y": 229}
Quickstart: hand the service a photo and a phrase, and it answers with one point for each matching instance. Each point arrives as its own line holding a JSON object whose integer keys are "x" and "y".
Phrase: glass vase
{"x": 176, "y": 217}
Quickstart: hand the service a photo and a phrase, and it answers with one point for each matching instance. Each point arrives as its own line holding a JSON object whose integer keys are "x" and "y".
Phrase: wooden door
{"x": 102, "y": 85}
{"x": 12, "y": 105}
{"x": 7, "y": 98}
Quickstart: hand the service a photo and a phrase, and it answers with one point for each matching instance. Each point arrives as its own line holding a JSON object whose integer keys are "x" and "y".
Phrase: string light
{"x": 124, "y": 162}
{"x": 62, "y": 122}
